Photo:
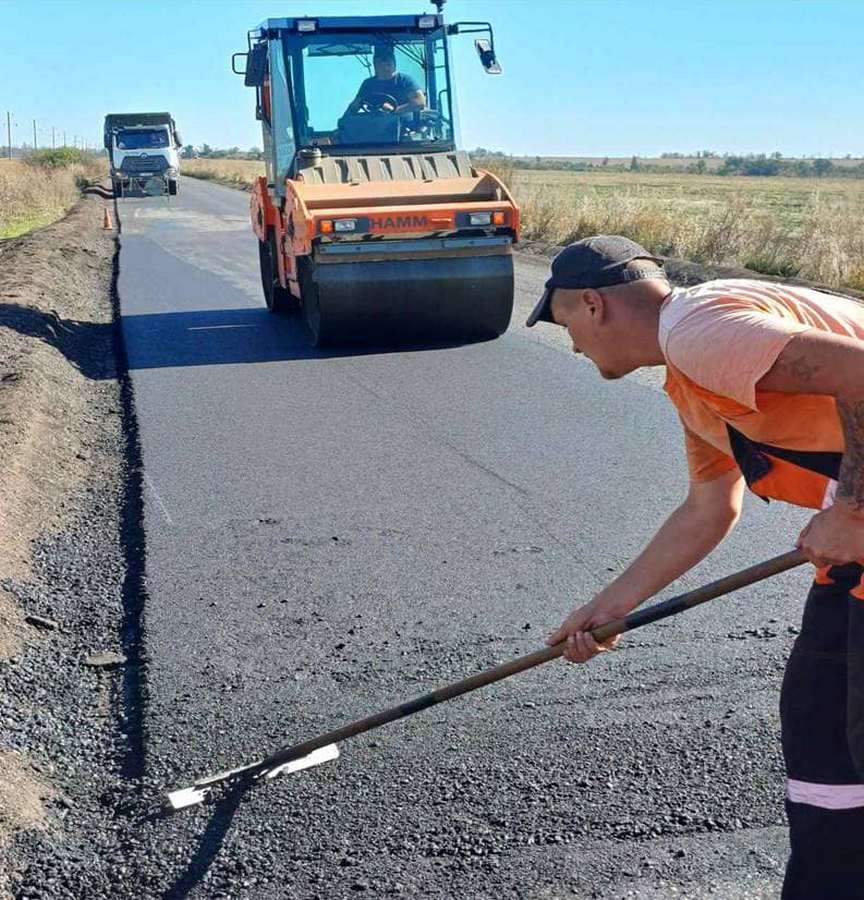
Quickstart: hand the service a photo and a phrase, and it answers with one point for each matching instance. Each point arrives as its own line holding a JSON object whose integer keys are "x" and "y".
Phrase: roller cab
{"x": 371, "y": 222}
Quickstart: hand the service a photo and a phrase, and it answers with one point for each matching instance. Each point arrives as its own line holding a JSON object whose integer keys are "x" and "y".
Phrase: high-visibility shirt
{"x": 719, "y": 339}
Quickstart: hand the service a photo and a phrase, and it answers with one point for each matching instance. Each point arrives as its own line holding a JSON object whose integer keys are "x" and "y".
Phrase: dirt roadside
{"x": 55, "y": 340}
{"x": 61, "y": 569}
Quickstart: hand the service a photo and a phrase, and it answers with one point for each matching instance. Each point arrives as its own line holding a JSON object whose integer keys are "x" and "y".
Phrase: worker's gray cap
{"x": 594, "y": 262}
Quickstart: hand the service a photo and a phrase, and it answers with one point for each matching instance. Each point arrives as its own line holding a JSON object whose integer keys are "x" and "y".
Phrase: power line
{"x": 42, "y": 133}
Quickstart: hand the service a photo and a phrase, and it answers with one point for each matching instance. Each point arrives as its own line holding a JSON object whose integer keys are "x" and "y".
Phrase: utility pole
{"x": 35, "y": 145}
{"x": 53, "y": 145}
{"x": 64, "y": 137}
{"x": 9, "y": 133}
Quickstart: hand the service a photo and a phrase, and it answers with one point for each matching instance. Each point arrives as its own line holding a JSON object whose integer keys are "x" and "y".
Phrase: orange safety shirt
{"x": 719, "y": 338}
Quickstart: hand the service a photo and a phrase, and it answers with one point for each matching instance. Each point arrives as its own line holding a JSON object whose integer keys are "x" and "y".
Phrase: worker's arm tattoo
{"x": 801, "y": 368}
{"x": 850, "y": 486}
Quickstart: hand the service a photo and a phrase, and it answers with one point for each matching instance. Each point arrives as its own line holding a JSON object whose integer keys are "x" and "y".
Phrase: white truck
{"x": 144, "y": 153}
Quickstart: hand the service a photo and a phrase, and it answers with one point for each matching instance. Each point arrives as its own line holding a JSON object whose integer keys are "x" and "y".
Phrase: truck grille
{"x": 134, "y": 164}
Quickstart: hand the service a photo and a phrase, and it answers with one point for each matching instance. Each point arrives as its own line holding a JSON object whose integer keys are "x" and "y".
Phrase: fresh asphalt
{"x": 328, "y": 533}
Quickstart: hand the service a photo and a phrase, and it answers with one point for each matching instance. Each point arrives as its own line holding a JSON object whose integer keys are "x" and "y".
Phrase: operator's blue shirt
{"x": 400, "y": 87}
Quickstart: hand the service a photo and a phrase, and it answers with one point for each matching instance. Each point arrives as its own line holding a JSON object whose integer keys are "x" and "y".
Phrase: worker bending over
{"x": 768, "y": 381}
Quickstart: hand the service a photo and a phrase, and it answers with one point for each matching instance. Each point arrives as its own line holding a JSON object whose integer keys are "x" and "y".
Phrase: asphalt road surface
{"x": 328, "y": 533}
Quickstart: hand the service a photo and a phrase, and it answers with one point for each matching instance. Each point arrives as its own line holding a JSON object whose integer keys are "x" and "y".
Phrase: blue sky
{"x": 581, "y": 77}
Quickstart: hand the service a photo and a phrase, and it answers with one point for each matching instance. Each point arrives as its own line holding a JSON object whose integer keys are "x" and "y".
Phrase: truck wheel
{"x": 173, "y": 186}
{"x": 279, "y": 300}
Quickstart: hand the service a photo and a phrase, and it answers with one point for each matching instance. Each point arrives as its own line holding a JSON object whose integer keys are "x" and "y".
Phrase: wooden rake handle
{"x": 727, "y": 585}
{"x": 637, "y": 619}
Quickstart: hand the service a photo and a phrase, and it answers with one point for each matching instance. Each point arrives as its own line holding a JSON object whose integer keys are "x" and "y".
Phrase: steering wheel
{"x": 378, "y": 103}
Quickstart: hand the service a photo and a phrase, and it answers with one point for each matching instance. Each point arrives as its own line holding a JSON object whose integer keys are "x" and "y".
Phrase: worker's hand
{"x": 576, "y": 629}
{"x": 833, "y": 537}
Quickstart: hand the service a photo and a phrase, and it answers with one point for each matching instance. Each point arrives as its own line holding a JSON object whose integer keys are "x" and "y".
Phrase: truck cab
{"x": 143, "y": 149}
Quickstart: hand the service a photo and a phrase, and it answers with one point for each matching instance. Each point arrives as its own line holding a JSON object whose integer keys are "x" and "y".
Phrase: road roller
{"x": 371, "y": 221}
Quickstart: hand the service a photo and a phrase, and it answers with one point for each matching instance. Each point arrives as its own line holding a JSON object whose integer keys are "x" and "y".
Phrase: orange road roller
{"x": 370, "y": 220}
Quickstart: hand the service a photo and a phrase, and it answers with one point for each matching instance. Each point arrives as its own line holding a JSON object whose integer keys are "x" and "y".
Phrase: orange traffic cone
{"x": 107, "y": 224}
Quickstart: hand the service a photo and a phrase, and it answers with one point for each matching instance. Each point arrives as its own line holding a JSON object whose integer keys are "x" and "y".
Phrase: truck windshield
{"x": 142, "y": 140}
{"x": 370, "y": 89}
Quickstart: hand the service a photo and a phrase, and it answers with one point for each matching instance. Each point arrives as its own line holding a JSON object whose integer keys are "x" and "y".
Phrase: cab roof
{"x": 350, "y": 23}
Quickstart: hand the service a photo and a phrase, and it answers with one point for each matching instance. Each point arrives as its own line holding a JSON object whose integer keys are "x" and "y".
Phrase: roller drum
{"x": 460, "y": 298}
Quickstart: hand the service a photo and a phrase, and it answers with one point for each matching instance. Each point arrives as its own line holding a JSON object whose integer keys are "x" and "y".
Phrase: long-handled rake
{"x": 324, "y": 747}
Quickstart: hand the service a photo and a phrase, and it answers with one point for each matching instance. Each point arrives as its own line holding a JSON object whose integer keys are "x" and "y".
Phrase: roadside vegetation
{"x": 785, "y": 226}
{"x": 233, "y": 172}
{"x": 788, "y": 227}
{"x": 42, "y": 187}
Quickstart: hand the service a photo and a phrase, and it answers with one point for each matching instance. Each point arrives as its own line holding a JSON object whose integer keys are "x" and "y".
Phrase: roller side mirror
{"x": 487, "y": 57}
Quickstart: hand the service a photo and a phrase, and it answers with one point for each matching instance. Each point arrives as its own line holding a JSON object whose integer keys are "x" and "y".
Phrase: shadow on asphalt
{"x": 209, "y": 845}
{"x": 201, "y": 338}
{"x": 231, "y": 336}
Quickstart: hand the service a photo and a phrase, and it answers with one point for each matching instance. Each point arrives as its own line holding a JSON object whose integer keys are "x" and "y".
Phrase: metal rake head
{"x": 190, "y": 796}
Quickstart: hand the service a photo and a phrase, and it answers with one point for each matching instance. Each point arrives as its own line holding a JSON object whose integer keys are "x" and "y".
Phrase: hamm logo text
{"x": 401, "y": 222}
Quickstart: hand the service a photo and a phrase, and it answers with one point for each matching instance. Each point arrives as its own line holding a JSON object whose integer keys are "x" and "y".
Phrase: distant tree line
{"x": 776, "y": 165}
{"x": 205, "y": 151}
{"x": 751, "y": 164}
{"x": 699, "y": 154}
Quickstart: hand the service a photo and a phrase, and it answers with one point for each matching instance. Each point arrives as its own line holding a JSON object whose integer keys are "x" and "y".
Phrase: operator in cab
{"x": 387, "y": 85}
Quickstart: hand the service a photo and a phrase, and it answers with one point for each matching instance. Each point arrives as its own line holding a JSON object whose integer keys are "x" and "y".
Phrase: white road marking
{"x": 215, "y": 327}
{"x": 159, "y": 500}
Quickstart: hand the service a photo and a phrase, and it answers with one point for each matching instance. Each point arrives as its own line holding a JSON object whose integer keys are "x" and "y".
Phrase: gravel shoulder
{"x": 64, "y": 578}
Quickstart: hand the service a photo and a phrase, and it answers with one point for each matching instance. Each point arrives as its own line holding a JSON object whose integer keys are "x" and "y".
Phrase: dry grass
{"x": 32, "y": 196}
{"x": 781, "y": 226}
{"x": 234, "y": 172}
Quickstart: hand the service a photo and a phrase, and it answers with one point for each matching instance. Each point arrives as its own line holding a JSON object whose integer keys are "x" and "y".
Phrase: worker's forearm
{"x": 850, "y": 488}
{"x": 683, "y": 540}
{"x": 411, "y": 104}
